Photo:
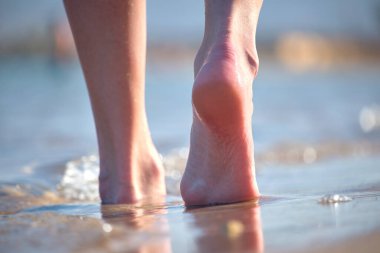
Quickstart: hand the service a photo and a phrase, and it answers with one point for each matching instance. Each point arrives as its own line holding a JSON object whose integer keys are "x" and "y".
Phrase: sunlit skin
{"x": 111, "y": 41}
{"x": 220, "y": 168}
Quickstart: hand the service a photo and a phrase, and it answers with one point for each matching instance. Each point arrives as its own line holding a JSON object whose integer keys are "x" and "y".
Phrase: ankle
{"x": 121, "y": 158}
{"x": 228, "y": 47}
{"x": 231, "y": 24}
{"x": 136, "y": 174}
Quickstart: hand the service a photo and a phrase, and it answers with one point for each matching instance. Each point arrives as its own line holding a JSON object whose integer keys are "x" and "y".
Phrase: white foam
{"x": 80, "y": 180}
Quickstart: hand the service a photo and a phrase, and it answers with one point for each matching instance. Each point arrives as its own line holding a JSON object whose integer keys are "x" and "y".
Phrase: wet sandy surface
{"x": 292, "y": 216}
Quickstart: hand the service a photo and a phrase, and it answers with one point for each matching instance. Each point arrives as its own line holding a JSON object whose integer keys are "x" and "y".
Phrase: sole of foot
{"x": 220, "y": 167}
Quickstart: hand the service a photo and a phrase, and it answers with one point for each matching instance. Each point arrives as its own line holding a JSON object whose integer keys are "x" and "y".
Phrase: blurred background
{"x": 317, "y": 95}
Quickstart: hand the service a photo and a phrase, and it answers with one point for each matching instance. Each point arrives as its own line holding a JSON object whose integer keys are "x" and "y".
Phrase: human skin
{"x": 220, "y": 167}
{"x": 111, "y": 41}
{"x": 110, "y": 37}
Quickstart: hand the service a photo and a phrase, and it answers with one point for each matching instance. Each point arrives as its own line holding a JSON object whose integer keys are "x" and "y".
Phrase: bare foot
{"x": 220, "y": 168}
{"x": 139, "y": 175}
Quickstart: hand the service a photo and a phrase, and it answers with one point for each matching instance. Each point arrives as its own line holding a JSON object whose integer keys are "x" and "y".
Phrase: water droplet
{"x": 28, "y": 169}
{"x": 107, "y": 227}
{"x": 369, "y": 118}
{"x": 309, "y": 155}
{"x": 334, "y": 198}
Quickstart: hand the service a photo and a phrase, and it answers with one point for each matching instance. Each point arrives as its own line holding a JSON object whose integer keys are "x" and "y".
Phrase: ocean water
{"x": 182, "y": 21}
{"x": 46, "y": 116}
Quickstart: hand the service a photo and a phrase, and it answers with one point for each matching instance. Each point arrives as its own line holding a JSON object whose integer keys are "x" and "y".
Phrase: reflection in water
{"x": 167, "y": 228}
{"x": 335, "y": 214}
{"x": 230, "y": 228}
{"x": 147, "y": 227}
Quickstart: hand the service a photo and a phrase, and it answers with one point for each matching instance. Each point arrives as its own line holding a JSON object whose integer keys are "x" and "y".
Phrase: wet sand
{"x": 292, "y": 216}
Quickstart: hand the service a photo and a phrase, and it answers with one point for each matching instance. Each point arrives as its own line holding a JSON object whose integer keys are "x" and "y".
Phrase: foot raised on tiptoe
{"x": 220, "y": 168}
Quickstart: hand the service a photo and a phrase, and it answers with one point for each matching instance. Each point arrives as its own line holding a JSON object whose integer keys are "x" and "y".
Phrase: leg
{"x": 111, "y": 40}
{"x": 220, "y": 168}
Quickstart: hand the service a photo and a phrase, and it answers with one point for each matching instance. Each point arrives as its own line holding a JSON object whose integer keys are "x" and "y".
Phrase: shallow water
{"x": 292, "y": 213}
{"x": 310, "y": 140}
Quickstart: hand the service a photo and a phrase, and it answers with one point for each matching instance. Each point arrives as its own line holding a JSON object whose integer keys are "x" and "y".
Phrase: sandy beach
{"x": 298, "y": 212}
